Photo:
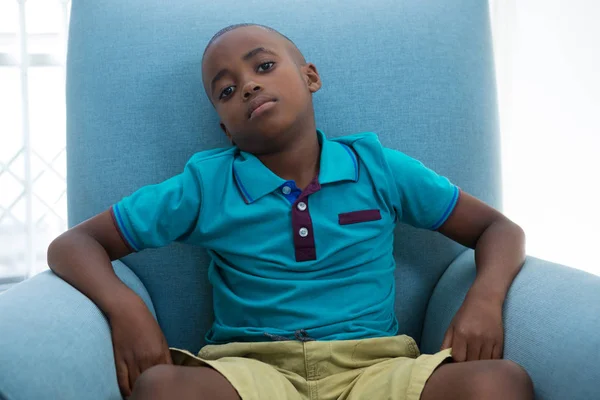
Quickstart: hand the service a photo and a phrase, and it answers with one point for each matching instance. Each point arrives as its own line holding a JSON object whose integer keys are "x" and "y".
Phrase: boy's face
{"x": 260, "y": 86}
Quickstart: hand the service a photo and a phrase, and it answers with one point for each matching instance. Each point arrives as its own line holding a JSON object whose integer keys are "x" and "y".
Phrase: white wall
{"x": 548, "y": 64}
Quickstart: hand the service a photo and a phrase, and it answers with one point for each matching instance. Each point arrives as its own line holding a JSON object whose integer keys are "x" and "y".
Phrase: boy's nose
{"x": 251, "y": 88}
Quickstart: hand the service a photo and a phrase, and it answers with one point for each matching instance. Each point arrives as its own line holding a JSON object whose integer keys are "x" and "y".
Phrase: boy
{"x": 300, "y": 230}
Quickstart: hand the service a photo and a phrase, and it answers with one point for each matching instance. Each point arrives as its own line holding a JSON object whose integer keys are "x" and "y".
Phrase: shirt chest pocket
{"x": 356, "y": 217}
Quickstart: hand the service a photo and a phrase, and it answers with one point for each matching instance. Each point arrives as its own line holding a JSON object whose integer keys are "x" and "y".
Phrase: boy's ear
{"x": 313, "y": 79}
{"x": 224, "y": 128}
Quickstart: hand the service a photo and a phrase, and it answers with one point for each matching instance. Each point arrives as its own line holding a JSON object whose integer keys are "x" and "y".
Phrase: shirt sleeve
{"x": 425, "y": 199}
{"x": 156, "y": 215}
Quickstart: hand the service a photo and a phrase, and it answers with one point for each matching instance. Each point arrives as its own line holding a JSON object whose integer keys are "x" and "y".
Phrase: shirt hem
{"x": 449, "y": 209}
{"x": 117, "y": 220}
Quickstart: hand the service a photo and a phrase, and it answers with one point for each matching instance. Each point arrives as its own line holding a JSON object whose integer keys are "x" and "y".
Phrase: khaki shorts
{"x": 371, "y": 369}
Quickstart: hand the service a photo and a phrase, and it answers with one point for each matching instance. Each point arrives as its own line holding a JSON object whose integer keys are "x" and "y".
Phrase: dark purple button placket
{"x": 304, "y": 238}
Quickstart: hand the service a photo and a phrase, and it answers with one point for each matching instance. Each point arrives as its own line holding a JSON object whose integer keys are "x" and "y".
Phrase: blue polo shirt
{"x": 285, "y": 259}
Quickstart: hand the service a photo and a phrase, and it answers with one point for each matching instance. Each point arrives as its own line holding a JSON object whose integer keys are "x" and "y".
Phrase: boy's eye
{"x": 265, "y": 66}
{"x": 228, "y": 91}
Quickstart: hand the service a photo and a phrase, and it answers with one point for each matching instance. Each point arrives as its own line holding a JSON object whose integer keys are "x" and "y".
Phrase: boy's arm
{"x": 82, "y": 256}
{"x": 476, "y": 332}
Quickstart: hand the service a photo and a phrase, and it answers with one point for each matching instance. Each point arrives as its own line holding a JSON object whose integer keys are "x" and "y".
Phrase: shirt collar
{"x": 338, "y": 161}
{"x": 254, "y": 180}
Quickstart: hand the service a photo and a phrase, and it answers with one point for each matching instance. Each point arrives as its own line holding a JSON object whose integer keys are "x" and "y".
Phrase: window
{"x": 33, "y": 38}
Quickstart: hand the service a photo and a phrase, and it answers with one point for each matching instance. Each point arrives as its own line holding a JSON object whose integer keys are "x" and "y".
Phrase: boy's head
{"x": 260, "y": 85}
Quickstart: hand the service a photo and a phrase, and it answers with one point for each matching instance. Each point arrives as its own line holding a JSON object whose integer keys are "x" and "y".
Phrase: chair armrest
{"x": 551, "y": 320}
{"x": 55, "y": 343}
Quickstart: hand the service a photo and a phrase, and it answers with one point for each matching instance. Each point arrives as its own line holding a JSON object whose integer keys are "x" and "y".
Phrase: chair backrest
{"x": 420, "y": 73}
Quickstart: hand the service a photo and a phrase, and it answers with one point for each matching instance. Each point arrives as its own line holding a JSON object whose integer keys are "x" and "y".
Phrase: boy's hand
{"x": 138, "y": 343}
{"x": 476, "y": 332}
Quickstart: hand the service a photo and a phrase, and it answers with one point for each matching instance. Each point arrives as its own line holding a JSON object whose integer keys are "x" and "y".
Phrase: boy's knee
{"x": 504, "y": 377}
{"x": 516, "y": 373}
{"x": 153, "y": 382}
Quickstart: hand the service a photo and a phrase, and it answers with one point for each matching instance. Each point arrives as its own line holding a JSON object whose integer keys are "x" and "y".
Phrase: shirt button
{"x": 303, "y": 232}
{"x": 286, "y": 190}
{"x": 301, "y": 206}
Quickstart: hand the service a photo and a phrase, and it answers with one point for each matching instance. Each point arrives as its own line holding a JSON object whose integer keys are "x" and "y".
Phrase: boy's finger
{"x": 473, "y": 350}
{"x": 459, "y": 349}
{"x": 144, "y": 365}
{"x": 134, "y": 373}
{"x": 447, "y": 342}
{"x": 497, "y": 352}
{"x": 487, "y": 351}
{"x": 123, "y": 378}
{"x": 168, "y": 358}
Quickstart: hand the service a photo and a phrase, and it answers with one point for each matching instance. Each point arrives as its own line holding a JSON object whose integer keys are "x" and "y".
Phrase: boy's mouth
{"x": 259, "y": 105}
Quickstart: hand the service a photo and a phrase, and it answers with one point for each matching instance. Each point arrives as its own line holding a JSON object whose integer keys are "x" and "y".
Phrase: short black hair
{"x": 243, "y": 25}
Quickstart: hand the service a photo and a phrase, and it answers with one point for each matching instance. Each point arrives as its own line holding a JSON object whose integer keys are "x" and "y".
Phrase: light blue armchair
{"x": 420, "y": 73}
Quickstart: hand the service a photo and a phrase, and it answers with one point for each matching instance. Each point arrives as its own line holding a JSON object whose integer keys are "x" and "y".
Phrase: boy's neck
{"x": 299, "y": 161}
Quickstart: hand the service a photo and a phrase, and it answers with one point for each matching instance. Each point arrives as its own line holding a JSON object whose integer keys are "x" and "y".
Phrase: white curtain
{"x": 548, "y": 69}
{"x": 33, "y": 36}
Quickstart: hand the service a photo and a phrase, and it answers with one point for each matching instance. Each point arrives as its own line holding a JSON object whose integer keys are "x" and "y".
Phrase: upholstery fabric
{"x": 55, "y": 343}
{"x": 551, "y": 318}
{"x": 420, "y": 74}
